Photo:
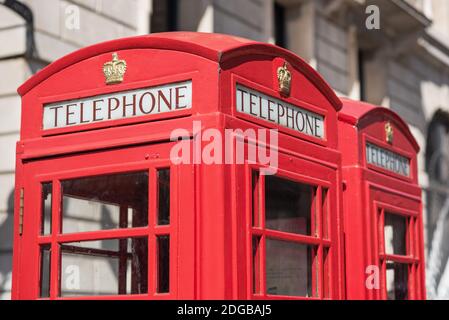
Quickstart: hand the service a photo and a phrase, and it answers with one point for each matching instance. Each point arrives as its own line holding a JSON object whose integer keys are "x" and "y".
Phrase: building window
{"x": 290, "y": 244}
{"x": 361, "y": 59}
{"x": 280, "y": 25}
{"x": 164, "y": 16}
{"x": 111, "y": 235}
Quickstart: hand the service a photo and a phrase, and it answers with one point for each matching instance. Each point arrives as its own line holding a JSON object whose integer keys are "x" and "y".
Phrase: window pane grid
{"x": 397, "y": 255}
{"x": 59, "y": 243}
{"x": 313, "y": 239}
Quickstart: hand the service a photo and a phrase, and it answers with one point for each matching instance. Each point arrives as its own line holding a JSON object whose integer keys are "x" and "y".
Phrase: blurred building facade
{"x": 401, "y": 63}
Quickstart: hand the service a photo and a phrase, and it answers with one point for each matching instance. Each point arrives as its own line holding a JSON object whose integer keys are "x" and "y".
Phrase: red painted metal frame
{"x": 316, "y": 239}
{"x": 411, "y": 258}
{"x": 109, "y": 162}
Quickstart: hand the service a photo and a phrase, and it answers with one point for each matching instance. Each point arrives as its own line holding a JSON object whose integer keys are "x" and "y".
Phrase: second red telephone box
{"x": 382, "y": 204}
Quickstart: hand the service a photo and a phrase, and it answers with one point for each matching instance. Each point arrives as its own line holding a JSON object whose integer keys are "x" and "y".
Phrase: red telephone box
{"x": 121, "y": 193}
{"x": 382, "y": 204}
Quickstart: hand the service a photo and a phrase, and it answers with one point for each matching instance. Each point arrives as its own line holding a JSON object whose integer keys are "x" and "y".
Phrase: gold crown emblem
{"x": 284, "y": 79}
{"x": 114, "y": 70}
{"x": 389, "y": 132}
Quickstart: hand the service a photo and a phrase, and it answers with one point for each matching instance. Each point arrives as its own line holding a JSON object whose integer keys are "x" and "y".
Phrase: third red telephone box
{"x": 123, "y": 190}
{"x": 382, "y": 204}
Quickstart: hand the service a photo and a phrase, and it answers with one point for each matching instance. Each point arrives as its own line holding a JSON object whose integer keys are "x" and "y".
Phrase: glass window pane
{"x": 326, "y": 273}
{"x": 163, "y": 177}
{"x": 45, "y": 271}
{"x": 395, "y": 234}
{"x": 47, "y": 189}
{"x": 105, "y": 202}
{"x": 325, "y": 208}
{"x": 163, "y": 248}
{"x": 397, "y": 281}
{"x": 256, "y": 265}
{"x": 104, "y": 267}
{"x": 288, "y": 268}
{"x": 256, "y": 199}
{"x": 288, "y": 205}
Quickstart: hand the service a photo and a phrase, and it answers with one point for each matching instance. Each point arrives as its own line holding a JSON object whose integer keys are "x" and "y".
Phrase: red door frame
{"x": 329, "y": 267}
{"x": 384, "y": 199}
{"x": 131, "y": 159}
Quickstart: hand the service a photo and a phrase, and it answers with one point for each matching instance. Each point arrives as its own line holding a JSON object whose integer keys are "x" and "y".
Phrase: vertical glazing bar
{"x": 249, "y": 195}
{"x": 417, "y": 255}
{"x": 123, "y": 251}
{"x": 318, "y": 212}
{"x": 152, "y": 220}
{"x": 263, "y": 253}
{"x": 381, "y": 232}
{"x": 382, "y": 295}
{"x": 174, "y": 194}
{"x": 410, "y": 251}
{"x": 57, "y": 210}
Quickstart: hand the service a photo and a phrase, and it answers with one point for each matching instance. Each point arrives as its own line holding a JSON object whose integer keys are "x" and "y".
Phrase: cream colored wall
{"x": 249, "y": 19}
{"x": 14, "y": 71}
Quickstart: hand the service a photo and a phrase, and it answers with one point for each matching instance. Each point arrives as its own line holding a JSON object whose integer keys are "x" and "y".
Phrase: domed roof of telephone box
{"x": 216, "y": 47}
{"x": 353, "y": 112}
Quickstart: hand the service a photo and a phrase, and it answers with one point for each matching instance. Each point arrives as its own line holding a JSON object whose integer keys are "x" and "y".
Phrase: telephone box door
{"x": 397, "y": 249}
{"x": 293, "y": 239}
{"x": 105, "y": 225}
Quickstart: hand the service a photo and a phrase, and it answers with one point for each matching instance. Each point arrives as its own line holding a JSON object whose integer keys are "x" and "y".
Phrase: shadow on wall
{"x": 6, "y": 245}
{"x": 437, "y": 165}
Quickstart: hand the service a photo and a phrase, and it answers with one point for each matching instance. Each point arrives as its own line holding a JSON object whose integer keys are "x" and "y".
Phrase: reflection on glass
{"x": 288, "y": 205}
{"x": 46, "y": 208}
{"x": 45, "y": 271}
{"x": 104, "y": 267}
{"x": 256, "y": 199}
{"x": 256, "y": 265}
{"x": 163, "y": 177}
{"x": 397, "y": 281}
{"x": 325, "y": 207}
{"x": 394, "y": 231}
{"x": 105, "y": 202}
{"x": 163, "y": 267}
{"x": 326, "y": 273}
{"x": 288, "y": 268}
